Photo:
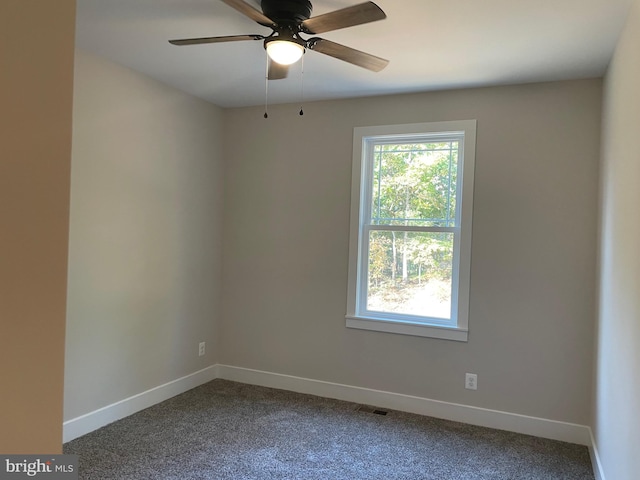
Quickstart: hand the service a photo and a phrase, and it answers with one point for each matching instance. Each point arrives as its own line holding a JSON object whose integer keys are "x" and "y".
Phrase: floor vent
{"x": 368, "y": 409}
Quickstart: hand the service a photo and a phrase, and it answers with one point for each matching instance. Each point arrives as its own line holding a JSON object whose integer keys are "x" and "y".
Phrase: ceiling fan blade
{"x": 347, "y": 54}
{"x": 346, "y": 17}
{"x": 251, "y": 12}
{"x": 228, "y": 38}
{"x": 277, "y": 71}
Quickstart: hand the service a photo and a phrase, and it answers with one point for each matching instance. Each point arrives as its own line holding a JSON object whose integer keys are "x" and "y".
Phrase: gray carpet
{"x": 227, "y": 430}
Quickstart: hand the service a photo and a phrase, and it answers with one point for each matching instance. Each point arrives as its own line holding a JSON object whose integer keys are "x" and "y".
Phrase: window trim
{"x": 359, "y": 207}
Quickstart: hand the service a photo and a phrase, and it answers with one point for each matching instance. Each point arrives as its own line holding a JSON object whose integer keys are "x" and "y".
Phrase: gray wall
{"x": 617, "y": 419}
{"x": 145, "y": 238}
{"x": 286, "y": 224}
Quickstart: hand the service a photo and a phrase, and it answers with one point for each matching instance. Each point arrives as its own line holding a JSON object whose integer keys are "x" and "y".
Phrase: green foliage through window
{"x": 413, "y": 185}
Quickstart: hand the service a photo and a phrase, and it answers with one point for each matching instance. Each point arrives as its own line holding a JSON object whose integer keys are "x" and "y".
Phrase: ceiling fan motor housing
{"x": 287, "y": 11}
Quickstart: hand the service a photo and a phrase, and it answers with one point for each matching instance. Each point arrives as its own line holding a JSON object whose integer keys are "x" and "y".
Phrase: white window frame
{"x": 357, "y": 316}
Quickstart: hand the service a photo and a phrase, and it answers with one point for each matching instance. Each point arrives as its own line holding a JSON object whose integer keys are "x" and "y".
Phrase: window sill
{"x": 405, "y": 328}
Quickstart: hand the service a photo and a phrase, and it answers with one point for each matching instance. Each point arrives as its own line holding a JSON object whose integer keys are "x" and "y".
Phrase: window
{"x": 410, "y": 245}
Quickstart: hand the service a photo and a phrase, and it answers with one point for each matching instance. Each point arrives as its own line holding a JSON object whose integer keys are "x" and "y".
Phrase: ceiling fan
{"x": 290, "y": 18}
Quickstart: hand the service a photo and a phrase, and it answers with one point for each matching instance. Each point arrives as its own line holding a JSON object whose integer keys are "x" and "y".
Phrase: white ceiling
{"x": 431, "y": 45}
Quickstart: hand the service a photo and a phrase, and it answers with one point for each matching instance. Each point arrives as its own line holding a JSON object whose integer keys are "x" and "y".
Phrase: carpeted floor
{"x": 227, "y": 430}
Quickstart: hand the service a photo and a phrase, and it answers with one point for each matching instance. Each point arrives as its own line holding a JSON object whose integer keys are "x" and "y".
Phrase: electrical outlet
{"x": 471, "y": 381}
{"x": 201, "y": 349}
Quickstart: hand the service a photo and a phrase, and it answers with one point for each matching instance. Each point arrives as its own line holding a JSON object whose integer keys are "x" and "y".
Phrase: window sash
{"x": 409, "y": 228}
{"x": 367, "y": 226}
{"x": 370, "y": 154}
{"x": 363, "y": 277}
{"x": 368, "y": 158}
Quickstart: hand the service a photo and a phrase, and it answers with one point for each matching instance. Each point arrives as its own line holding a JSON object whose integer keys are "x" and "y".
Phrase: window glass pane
{"x": 414, "y": 184}
{"x": 410, "y": 273}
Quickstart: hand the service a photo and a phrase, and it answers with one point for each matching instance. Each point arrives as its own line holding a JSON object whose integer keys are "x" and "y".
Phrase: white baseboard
{"x": 539, "y": 427}
{"x": 595, "y": 458}
{"x": 76, "y": 427}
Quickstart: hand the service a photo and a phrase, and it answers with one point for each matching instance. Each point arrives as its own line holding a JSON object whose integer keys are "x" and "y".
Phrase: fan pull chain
{"x": 266, "y": 88}
{"x": 301, "y": 84}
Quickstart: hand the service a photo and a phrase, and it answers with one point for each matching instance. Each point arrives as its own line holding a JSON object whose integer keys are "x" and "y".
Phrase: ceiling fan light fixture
{"x": 284, "y": 52}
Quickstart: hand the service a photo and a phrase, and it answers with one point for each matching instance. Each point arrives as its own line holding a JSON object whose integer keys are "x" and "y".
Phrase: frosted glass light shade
{"x": 284, "y": 52}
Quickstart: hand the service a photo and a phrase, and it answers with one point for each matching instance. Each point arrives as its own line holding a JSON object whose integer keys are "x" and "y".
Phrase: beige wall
{"x": 286, "y": 225}
{"x": 145, "y": 240}
{"x": 617, "y": 418}
{"x": 36, "y": 83}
